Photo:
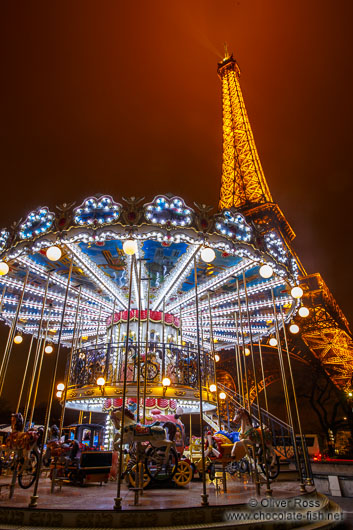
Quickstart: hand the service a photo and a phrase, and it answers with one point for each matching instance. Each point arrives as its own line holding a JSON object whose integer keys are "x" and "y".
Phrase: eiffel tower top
{"x": 243, "y": 180}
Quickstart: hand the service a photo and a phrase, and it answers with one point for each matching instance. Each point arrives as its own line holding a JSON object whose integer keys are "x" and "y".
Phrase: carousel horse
{"x": 23, "y": 443}
{"x": 250, "y": 436}
{"x": 136, "y": 434}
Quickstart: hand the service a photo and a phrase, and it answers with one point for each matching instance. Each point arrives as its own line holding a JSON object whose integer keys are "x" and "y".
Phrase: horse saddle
{"x": 147, "y": 430}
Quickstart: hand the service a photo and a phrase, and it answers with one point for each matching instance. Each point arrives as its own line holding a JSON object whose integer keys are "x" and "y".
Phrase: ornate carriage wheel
{"x": 28, "y": 470}
{"x": 273, "y": 471}
{"x": 132, "y": 477}
{"x": 151, "y": 371}
{"x": 156, "y": 466}
{"x": 183, "y": 473}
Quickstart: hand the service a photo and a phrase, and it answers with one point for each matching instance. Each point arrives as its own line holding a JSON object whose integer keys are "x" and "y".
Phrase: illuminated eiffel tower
{"x": 326, "y": 331}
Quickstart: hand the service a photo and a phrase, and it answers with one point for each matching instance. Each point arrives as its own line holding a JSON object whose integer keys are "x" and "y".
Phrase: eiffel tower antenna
{"x": 243, "y": 180}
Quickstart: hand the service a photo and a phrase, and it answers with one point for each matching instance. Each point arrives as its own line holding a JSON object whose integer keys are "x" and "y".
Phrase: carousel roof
{"x": 170, "y": 238}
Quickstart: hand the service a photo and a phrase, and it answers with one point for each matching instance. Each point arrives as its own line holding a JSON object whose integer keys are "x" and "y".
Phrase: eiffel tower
{"x": 325, "y": 339}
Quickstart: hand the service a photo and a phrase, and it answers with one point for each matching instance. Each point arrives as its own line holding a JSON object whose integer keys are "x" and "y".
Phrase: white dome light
{"x": 60, "y": 387}
{"x": 273, "y": 341}
{"x": 4, "y": 268}
{"x": 100, "y": 381}
{"x": 293, "y": 328}
{"x": 222, "y": 395}
{"x": 18, "y": 339}
{"x": 297, "y": 292}
{"x": 266, "y": 271}
{"x": 216, "y": 357}
{"x": 247, "y": 351}
{"x": 303, "y": 311}
{"x": 130, "y": 247}
{"x": 59, "y": 394}
{"x": 48, "y": 349}
{"x": 53, "y": 253}
{"x": 166, "y": 381}
{"x": 213, "y": 388}
{"x": 208, "y": 254}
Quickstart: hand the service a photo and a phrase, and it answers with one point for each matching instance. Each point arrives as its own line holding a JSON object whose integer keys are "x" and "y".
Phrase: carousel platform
{"x": 174, "y": 508}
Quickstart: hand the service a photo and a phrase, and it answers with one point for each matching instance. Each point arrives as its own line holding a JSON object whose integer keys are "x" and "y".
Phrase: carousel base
{"x": 170, "y": 508}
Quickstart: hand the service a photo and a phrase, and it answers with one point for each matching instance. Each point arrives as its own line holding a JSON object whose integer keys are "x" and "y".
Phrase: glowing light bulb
{"x": 166, "y": 381}
{"x": 216, "y": 357}
{"x": 4, "y": 268}
{"x": 297, "y": 292}
{"x": 213, "y": 388}
{"x": 48, "y": 349}
{"x": 53, "y": 253}
{"x": 247, "y": 351}
{"x": 273, "y": 341}
{"x": 60, "y": 387}
{"x": 130, "y": 247}
{"x": 100, "y": 381}
{"x": 59, "y": 394}
{"x": 303, "y": 311}
{"x": 222, "y": 395}
{"x": 293, "y": 328}
{"x": 208, "y": 254}
{"x": 266, "y": 271}
{"x": 18, "y": 339}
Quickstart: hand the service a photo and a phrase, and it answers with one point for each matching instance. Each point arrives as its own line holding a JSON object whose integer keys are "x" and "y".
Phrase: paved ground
{"x": 346, "y": 503}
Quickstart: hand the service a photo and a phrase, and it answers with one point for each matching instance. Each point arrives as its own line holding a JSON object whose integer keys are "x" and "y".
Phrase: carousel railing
{"x": 157, "y": 361}
{"x": 284, "y": 439}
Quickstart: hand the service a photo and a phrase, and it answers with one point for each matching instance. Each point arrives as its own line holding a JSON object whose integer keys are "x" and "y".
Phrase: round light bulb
{"x": 303, "y": 311}
{"x": 59, "y": 394}
{"x": 18, "y": 339}
{"x": 213, "y": 388}
{"x": 216, "y": 357}
{"x": 350, "y": 394}
{"x": 4, "y": 268}
{"x": 130, "y": 247}
{"x": 247, "y": 351}
{"x": 273, "y": 341}
{"x": 166, "y": 381}
{"x": 297, "y": 292}
{"x": 266, "y": 271}
{"x": 48, "y": 349}
{"x": 53, "y": 253}
{"x": 60, "y": 387}
{"x": 208, "y": 254}
{"x": 100, "y": 381}
{"x": 293, "y": 328}
{"x": 222, "y": 395}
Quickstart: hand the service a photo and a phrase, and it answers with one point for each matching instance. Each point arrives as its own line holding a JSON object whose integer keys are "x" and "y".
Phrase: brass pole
{"x": 214, "y": 359}
{"x": 11, "y": 328}
{"x": 5, "y": 361}
{"x": 67, "y": 376}
{"x": 39, "y": 371}
{"x": 285, "y": 389}
{"x": 146, "y": 351}
{"x": 36, "y": 355}
{"x": 181, "y": 327}
{"x": 118, "y": 499}
{"x": 24, "y": 375}
{"x": 268, "y": 488}
{"x": 263, "y": 376}
{"x": 98, "y": 324}
{"x": 204, "y": 496}
{"x": 34, "y": 497}
{"x": 163, "y": 334}
{"x": 138, "y": 378}
{"x": 308, "y": 480}
{"x": 2, "y": 297}
{"x": 238, "y": 358}
{"x": 243, "y": 357}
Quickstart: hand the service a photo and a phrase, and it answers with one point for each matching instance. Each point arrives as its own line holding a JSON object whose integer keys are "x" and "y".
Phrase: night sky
{"x": 123, "y": 98}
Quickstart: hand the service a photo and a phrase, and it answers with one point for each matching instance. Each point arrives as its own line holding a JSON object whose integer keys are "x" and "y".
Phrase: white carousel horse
{"x": 250, "y": 436}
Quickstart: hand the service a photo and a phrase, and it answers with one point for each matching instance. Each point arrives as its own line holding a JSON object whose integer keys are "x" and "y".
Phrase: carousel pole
{"x": 39, "y": 371}
{"x": 24, "y": 375}
{"x": 243, "y": 357}
{"x": 180, "y": 327}
{"x": 286, "y": 394}
{"x": 240, "y": 388}
{"x": 268, "y": 489}
{"x": 98, "y": 324}
{"x": 118, "y": 499}
{"x": 12, "y": 326}
{"x": 163, "y": 339}
{"x": 2, "y": 298}
{"x": 204, "y": 496}
{"x": 34, "y": 497}
{"x": 214, "y": 358}
{"x": 36, "y": 355}
{"x": 308, "y": 479}
{"x": 7, "y": 354}
{"x": 263, "y": 376}
{"x": 146, "y": 351}
{"x": 138, "y": 376}
{"x": 67, "y": 377}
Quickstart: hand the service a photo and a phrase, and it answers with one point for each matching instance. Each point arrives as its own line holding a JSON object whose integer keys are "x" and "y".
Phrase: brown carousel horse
{"x": 250, "y": 437}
